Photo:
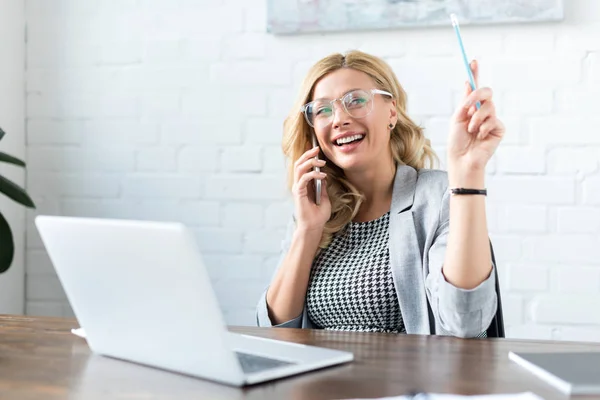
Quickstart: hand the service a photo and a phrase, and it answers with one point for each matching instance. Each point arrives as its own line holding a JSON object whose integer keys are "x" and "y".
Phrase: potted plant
{"x": 18, "y": 194}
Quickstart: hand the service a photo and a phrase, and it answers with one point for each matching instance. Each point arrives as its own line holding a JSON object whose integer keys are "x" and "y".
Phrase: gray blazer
{"x": 419, "y": 226}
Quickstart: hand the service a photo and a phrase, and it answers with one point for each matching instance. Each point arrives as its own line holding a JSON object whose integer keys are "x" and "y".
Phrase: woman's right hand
{"x": 310, "y": 217}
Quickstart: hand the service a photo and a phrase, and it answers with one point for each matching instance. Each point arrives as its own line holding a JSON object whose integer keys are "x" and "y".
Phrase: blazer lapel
{"x": 405, "y": 253}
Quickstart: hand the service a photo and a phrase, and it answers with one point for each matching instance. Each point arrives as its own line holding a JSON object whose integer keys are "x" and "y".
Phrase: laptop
{"x": 572, "y": 373}
{"x": 142, "y": 293}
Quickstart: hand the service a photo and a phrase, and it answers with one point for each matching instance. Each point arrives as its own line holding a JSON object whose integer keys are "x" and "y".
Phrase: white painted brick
{"x": 54, "y": 132}
{"x": 517, "y": 218}
{"x": 277, "y": 215}
{"x": 521, "y": 160}
{"x": 241, "y": 159}
{"x": 580, "y": 161}
{"x": 105, "y": 208}
{"x": 162, "y": 186}
{"x": 234, "y": 267}
{"x": 201, "y": 50}
{"x": 578, "y": 220}
{"x": 38, "y": 263}
{"x": 43, "y": 53}
{"x": 160, "y": 104}
{"x": 119, "y": 132}
{"x": 243, "y": 215}
{"x": 81, "y": 105}
{"x": 44, "y": 308}
{"x": 121, "y": 53}
{"x": 515, "y": 130}
{"x": 159, "y": 52}
{"x": 421, "y": 102}
{"x": 442, "y": 73}
{"x": 579, "y": 334}
{"x": 512, "y": 307}
{"x": 156, "y": 159}
{"x": 534, "y": 72}
{"x": 198, "y": 159}
{"x": 70, "y": 160}
{"x": 214, "y": 240}
{"x": 529, "y": 278}
{"x": 507, "y": 248}
{"x": 526, "y": 42}
{"x": 199, "y": 23}
{"x": 437, "y": 130}
{"x": 201, "y": 213}
{"x": 564, "y": 130}
{"x": 202, "y": 133}
{"x": 248, "y": 46}
{"x": 251, "y": 73}
{"x": 239, "y": 101}
{"x": 566, "y": 309}
{"x": 57, "y": 184}
{"x": 269, "y": 267}
{"x": 528, "y": 102}
{"x": 591, "y": 190}
{"x": 280, "y": 103}
{"x": 532, "y": 190}
{"x": 568, "y": 249}
{"x": 161, "y": 77}
{"x": 246, "y": 187}
{"x": 44, "y": 288}
{"x": 274, "y": 160}
{"x": 577, "y": 39}
{"x": 263, "y": 241}
{"x": 529, "y": 332}
{"x": 263, "y": 131}
{"x": 255, "y": 17}
{"x": 577, "y": 102}
{"x": 56, "y": 83}
{"x": 575, "y": 279}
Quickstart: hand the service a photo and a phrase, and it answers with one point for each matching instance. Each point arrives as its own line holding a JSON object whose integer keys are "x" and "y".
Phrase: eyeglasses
{"x": 357, "y": 103}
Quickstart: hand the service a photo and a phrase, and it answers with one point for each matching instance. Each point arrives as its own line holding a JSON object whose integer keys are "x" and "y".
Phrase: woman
{"x": 379, "y": 249}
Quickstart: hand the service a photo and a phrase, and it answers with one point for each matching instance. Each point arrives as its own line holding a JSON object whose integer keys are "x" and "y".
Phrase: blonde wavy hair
{"x": 408, "y": 144}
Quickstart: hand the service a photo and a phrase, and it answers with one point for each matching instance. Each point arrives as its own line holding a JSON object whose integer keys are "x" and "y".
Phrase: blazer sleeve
{"x": 459, "y": 312}
{"x": 262, "y": 309}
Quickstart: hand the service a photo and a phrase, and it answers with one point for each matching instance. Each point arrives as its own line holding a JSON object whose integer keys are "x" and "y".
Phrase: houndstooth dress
{"x": 351, "y": 286}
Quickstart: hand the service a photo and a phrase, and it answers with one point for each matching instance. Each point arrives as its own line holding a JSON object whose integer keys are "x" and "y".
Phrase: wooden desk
{"x": 41, "y": 359}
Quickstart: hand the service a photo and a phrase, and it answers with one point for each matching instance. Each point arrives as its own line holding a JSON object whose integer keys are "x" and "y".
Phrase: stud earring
{"x": 391, "y": 126}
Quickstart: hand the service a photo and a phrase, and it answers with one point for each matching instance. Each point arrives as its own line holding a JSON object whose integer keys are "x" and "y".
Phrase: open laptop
{"x": 142, "y": 294}
{"x": 572, "y": 373}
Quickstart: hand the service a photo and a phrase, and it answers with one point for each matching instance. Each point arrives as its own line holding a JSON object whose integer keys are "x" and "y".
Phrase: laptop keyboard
{"x": 251, "y": 363}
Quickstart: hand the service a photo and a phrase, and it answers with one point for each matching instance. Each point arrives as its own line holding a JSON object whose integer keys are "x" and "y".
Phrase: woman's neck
{"x": 376, "y": 185}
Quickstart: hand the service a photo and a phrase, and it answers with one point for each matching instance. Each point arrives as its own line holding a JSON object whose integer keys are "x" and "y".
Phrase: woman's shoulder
{"x": 432, "y": 180}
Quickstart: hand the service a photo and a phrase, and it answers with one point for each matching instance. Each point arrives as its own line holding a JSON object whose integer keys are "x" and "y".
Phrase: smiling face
{"x": 353, "y": 143}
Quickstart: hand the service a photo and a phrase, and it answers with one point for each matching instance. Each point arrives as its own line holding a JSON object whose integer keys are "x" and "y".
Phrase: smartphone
{"x": 318, "y": 169}
{"x": 454, "y": 20}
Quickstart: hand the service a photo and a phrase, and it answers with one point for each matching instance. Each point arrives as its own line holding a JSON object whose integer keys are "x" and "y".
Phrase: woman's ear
{"x": 393, "y": 112}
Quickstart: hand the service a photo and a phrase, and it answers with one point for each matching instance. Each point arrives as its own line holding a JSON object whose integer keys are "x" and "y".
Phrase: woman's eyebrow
{"x": 345, "y": 93}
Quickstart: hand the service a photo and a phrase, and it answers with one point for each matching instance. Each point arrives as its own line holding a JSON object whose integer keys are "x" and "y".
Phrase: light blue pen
{"x": 464, "y": 55}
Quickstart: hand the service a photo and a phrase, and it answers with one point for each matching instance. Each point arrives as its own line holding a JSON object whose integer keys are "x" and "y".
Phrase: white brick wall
{"x": 175, "y": 113}
{"x": 12, "y": 118}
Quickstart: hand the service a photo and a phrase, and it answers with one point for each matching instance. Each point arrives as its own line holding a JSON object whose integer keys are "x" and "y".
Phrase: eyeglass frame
{"x": 371, "y": 91}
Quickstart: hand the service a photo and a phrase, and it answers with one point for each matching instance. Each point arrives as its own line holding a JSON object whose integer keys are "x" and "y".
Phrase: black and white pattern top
{"x": 351, "y": 286}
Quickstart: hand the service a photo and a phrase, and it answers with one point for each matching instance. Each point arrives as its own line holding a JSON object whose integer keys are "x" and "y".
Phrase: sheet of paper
{"x": 79, "y": 332}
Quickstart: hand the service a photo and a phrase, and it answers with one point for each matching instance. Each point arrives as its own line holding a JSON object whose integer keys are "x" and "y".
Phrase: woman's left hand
{"x": 474, "y": 134}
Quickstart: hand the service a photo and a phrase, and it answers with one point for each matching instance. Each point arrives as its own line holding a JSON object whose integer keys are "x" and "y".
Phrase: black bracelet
{"x": 469, "y": 191}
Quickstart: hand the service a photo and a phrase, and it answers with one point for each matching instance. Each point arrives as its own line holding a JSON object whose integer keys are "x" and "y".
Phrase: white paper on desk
{"x": 435, "y": 396}
{"x": 79, "y": 332}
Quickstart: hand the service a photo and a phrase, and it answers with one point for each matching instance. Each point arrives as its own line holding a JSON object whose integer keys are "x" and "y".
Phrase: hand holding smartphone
{"x": 454, "y": 20}
{"x": 317, "y": 169}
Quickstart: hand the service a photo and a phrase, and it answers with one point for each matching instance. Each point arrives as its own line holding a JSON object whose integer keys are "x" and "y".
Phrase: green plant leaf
{"x": 2, "y": 133}
{"x": 11, "y": 160}
{"x": 15, "y": 192}
{"x": 7, "y": 245}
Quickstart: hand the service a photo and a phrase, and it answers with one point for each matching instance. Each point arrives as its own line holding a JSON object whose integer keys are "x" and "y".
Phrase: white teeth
{"x": 348, "y": 139}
